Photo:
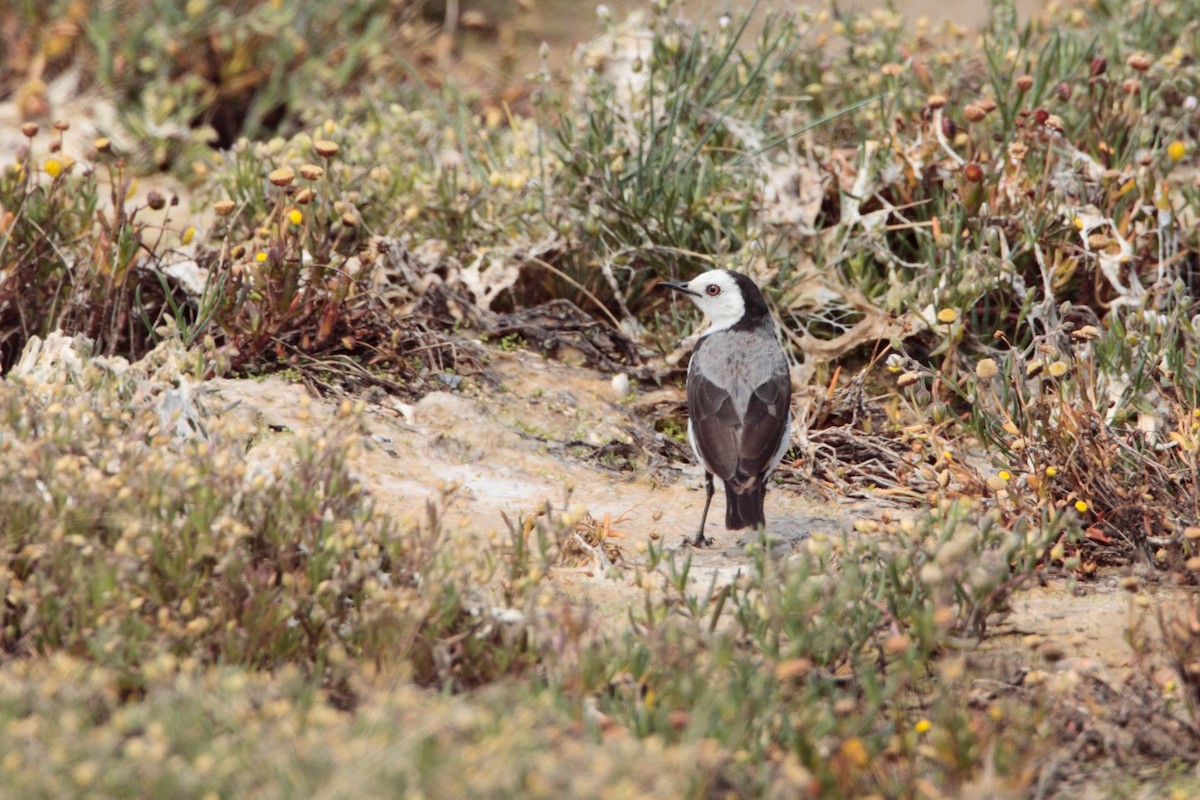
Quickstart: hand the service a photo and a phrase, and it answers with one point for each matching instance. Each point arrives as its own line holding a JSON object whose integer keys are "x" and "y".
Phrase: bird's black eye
{"x": 712, "y": 290}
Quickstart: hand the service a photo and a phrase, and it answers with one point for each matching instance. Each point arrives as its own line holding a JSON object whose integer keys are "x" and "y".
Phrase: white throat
{"x": 723, "y": 315}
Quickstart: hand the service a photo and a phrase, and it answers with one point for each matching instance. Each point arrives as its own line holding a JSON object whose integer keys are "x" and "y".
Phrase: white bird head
{"x": 725, "y": 297}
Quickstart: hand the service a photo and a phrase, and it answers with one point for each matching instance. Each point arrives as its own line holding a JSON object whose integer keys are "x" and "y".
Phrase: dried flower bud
{"x": 907, "y": 379}
{"x": 223, "y": 208}
{"x": 156, "y": 201}
{"x": 29, "y": 129}
{"x": 1055, "y": 123}
{"x": 61, "y": 125}
{"x": 349, "y": 220}
{"x": 311, "y": 172}
{"x": 1025, "y": 82}
{"x": 974, "y": 113}
{"x": 936, "y": 100}
{"x": 1040, "y": 116}
{"x": 1017, "y": 151}
{"x": 1131, "y": 86}
{"x": 282, "y": 176}
{"x": 325, "y": 148}
{"x": 987, "y": 104}
{"x": 986, "y": 369}
{"x": 949, "y": 129}
{"x": 1064, "y": 91}
{"x": 1140, "y": 62}
{"x": 305, "y": 196}
{"x": 1099, "y": 66}
{"x": 973, "y": 172}
{"x": 103, "y": 145}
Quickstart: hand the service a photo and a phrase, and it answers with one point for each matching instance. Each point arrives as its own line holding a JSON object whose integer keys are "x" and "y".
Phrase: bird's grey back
{"x": 739, "y": 362}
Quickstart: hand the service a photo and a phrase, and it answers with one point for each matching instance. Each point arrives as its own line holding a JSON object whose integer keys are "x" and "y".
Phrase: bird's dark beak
{"x": 679, "y": 287}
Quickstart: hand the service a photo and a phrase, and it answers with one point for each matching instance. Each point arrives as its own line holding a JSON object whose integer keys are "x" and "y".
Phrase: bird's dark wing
{"x": 765, "y": 423}
{"x": 733, "y": 448}
{"x": 715, "y": 426}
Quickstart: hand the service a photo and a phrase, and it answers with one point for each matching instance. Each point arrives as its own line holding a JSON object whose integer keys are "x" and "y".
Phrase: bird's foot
{"x": 700, "y": 541}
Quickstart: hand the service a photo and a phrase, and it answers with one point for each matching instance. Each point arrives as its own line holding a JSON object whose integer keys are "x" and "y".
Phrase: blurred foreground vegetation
{"x": 991, "y": 239}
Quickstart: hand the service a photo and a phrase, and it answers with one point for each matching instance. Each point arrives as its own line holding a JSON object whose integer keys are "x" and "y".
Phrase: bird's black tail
{"x": 745, "y": 510}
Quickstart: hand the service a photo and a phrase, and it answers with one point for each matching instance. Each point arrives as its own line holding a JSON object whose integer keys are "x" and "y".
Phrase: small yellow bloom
{"x": 1078, "y": 223}
{"x": 1081, "y": 506}
{"x": 1057, "y": 369}
{"x": 260, "y": 256}
{"x": 1176, "y": 150}
{"x": 188, "y": 234}
{"x": 923, "y": 726}
{"x": 1005, "y": 475}
{"x": 855, "y": 752}
{"x": 53, "y": 167}
{"x": 947, "y": 315}
{"x": 1196, "y": 413}
{"x": 1051, "y": 472}
{"x": 295, "y": 216}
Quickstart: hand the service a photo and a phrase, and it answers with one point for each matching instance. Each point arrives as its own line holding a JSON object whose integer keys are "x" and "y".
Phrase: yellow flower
{"x": 923, "y": 726}
{"x": 1176, "y": 150}
{"x": 260, "y": 256}
{"x": 1005, "y": 475}
{"x": 188, "y": 234}
{"x": 1081, "y": 506}
{"x": 53, "y": 167}
{"x": 1057, "y": 369}
{"x": 855, "y": 752}
{"x": 1078, "y": 223}
{"x": 1051, "y": 472}
{"x": 295, "y": 216}
{"x": 947, "y": 315}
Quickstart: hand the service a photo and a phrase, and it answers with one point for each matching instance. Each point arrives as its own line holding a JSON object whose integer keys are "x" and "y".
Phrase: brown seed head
{"x": 61, "y": 125}
{"x": 1064, "y": 91}
{"x": 305, "y": 196}
{"x": 1055, "y": 123}
{"x": 156, "y": 201}
{"x": 1131, "y": 85}
{"x": 311, "y": 172}
{"x": 1025, "y": 82}
{"x": 1140, "y": 62}
{"x": 325, "y": 148}
{"x": 223, "y": 208}
{"x": 987, "y": 104}
{"x": 282, "y": 176}
{"x": 103, "y": 145}
{"x": 973, "y": 172}
{"x": 974, "y": 113}
{"x": 936, "y": 100}
{"x": 1040, "y": 116}
{"x": 1099, "y": 66}
{"x": 29, "y": 129}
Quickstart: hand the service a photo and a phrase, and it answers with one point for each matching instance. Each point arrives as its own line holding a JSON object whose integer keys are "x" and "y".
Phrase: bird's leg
{"x": 700, "y": 540}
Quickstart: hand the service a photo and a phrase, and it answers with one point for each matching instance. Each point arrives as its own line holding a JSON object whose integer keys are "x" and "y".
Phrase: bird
{"x": 739, "y": 393}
